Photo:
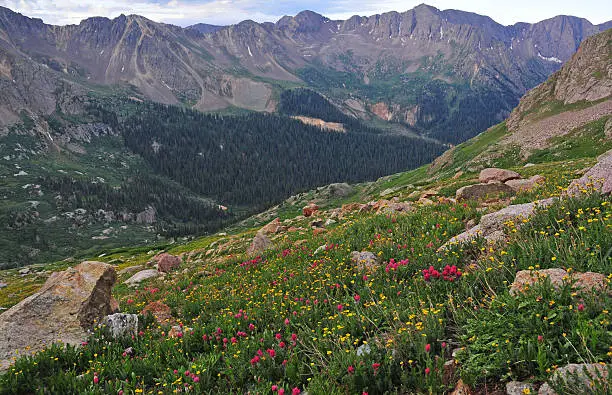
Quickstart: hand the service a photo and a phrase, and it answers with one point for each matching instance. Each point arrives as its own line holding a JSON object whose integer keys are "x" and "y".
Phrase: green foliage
{"x": 258, "y": 159}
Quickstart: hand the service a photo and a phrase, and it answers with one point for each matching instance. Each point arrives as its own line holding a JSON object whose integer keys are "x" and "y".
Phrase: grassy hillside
{"x": 299, "y": 320}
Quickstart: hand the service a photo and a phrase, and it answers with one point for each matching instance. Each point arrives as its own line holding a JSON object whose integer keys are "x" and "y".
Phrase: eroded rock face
{"x": 588, "y": 282}
{"x": 483, "y": 191}
{"x": 495, "y": 174}
{"x": 65, "y": 308}
{"x": 598, "y": 178}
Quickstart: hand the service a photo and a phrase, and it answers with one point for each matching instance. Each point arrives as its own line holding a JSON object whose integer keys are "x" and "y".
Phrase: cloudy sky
{"x": 221, "y": 12}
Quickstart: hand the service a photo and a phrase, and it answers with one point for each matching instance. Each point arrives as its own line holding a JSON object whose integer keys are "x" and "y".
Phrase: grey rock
{"x": 121, "y": 325}
{"x": 141, "y": 276}
{"x": 3, "y": 285}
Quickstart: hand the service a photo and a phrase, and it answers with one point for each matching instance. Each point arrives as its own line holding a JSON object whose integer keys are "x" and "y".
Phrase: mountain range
{"x": 449, "y": 74}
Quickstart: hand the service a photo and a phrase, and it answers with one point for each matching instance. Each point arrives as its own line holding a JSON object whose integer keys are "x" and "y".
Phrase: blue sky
{"x": 186, "y": 12}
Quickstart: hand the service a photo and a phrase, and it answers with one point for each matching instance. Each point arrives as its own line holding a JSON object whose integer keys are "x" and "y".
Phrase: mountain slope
{"x": 445, "y": 73}
{"x": 573, "y": 105}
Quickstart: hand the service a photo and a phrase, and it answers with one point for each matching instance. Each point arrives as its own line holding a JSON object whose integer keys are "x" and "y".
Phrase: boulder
{"x": 578, "y": 377}
{"x": 483, "y": 191}
{"x": 519, "y": 388}
{"x": 2, "y": 285}
{"x": 525, "y": 184}
{"x": 588, "y": 282}
{"x": 329, "y": 222}
{"x": 310, "y": 209}
{"x": 425, "y": 201}
{"x": 598, "y": 178}
{"x": 64, "y": 309}
{"x": 166, "y": 262}
{"x": 141, "y": 276}
{"x": 364, "y": 260}
{"x": 121, "y": 325}
{"x": 160, "y": 311}
{"x": 495, "y": 174}
{"x": 260, "y": 243}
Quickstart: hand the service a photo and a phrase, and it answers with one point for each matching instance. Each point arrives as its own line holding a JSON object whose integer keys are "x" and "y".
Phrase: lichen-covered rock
{"x": 492, "y": 225}
{"x": 121, "y": 325}
{"x": 64, "y": 309}
{"x": 495, "y": 174}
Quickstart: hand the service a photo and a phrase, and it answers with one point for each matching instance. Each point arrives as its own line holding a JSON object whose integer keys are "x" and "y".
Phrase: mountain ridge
{"x": 246, "y": 65}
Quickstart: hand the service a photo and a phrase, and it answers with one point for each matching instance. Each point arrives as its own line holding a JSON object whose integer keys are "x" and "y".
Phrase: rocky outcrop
{"x": 483, "y": 191}
{"x": 588, "y": 282}
{"x": 598, "y": 178}
{"x": 121, "y": 325}
{"x": 495, "y": 174}
{"x": 273, "y": 227}
{"x": 64, "y": 309}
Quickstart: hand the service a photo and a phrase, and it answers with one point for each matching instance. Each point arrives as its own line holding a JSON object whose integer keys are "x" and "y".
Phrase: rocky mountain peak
{"x": 304, "y": 22}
